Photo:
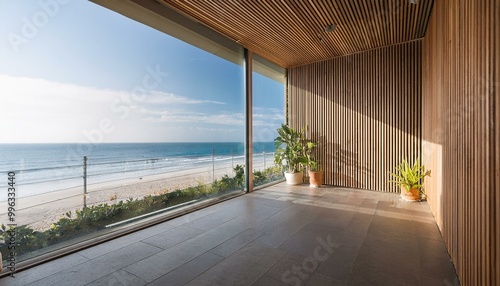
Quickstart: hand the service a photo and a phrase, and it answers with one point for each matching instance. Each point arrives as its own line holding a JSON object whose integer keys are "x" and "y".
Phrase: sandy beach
{"x": 40, "y": 211}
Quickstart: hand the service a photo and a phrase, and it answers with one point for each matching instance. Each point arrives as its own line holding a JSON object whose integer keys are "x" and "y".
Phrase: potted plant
{"x": 289, "y": 153}
{"x": 411, "y": 179}
{"x": 315, "y": 172}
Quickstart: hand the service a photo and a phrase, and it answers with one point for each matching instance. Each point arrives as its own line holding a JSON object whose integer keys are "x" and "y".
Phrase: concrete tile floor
{"x": 282, "y": 235}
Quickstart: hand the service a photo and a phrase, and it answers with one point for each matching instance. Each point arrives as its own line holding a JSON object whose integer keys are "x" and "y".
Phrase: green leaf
{"x": 410, "y": 176}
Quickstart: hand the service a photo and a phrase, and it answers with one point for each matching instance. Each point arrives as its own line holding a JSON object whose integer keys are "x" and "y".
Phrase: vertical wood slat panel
{"x": 494, "y": 200}
{"x": 461, "y": 95}
{"x": 369, "y": 102}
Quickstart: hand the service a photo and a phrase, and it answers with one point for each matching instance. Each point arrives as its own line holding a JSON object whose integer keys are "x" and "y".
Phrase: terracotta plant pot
{"x": 412, "y": 196}
{"x": 294, "y": 178}
{"x": 315, "y": 179}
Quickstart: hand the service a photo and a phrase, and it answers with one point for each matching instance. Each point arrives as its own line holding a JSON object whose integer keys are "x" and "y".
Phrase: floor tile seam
{"x": 194, "y": 258}
{"x": 279, "y": 210}
{"x": 221, "y": 242}
{"x": 202, "y": 212}
{"x": 283, "y": 212}
{"x": 264, "y": 275}
{"x": 101, "y": 245}
{"x": 97, "y": 277}
{"x": 302, "y": 226}
{"x": 135, "y": 261}
{"x": 206, "y": 270}
{"x": 225, "y": 258}
{"x": 78, "y": 253}
{"x": 429, "y": 238}
{"x": 230, "y": 221}
{"x": 421, "y": 260}
{"x": 213, "y": 216}
{"x": 244, "y": 216}
{"x": 116, "y": 250}
{"x": 261, "y": 234}
{"x": 163, "y": 233}
{"x": 335, "y": 278}
{"x": 342, "y": 207}
{"x": 387, "y": 214}
{"x": 271, "y": 267}
{"x": 216, "y": 212}
{"x": 280, "y": 194}
{"x": 200, "y": 229}
{"x": 162, "y": 249}
{"x": 276, "y": 208}
{"x": 54, "y": 273}
{"x": 358, "y": 252}
{"x": 260, "y": 277}
{"x": 114, "y": 272}
{"x": 290, "y": 237}
{"x": 203, "y": 231}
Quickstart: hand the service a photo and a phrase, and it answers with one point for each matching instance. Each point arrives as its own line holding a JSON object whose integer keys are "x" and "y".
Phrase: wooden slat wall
{"x": 364, "y": 109}
{"x": 461, "y": 135}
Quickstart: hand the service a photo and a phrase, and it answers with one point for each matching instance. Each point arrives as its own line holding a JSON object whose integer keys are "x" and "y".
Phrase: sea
{"x": 41, "y": 168}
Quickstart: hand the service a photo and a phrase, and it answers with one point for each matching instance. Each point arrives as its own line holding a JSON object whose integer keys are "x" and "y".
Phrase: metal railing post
{"x": 213, "y": 165}
{"x": 264, "y": 154}
{"x": 84, "y": 181}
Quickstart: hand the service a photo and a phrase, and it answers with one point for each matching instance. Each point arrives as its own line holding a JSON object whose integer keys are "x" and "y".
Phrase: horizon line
{"x": 3, "y": 143}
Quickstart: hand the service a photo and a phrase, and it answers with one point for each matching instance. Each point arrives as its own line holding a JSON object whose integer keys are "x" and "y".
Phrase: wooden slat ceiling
{"x": 291, "y": 32}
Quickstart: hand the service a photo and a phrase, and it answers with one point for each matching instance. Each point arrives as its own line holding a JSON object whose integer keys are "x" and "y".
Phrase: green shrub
{"x": 268, "y": 175}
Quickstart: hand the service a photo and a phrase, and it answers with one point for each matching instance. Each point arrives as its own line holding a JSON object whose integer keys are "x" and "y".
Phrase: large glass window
{"x": 268, "y": 114}
{"x": 106, "y": 121}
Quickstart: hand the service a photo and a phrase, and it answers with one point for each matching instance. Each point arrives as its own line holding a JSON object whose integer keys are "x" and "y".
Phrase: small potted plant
{"x": 411, "y": 179}
{"x": 289, "y": 153}
{"x": 315, "y": 172}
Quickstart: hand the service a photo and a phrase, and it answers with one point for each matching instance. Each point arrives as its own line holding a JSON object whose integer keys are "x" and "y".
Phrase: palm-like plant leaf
{"x": 289, "y": 149}
{"x": 410, "y": 176}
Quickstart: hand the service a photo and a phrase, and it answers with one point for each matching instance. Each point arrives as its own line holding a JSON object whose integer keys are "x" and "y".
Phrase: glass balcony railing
{"x": 102, "y": 195}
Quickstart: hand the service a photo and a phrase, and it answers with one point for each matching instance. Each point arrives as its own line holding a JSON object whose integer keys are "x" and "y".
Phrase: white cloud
{"x": 267, "y": 117}
{"x": 178, "y": 117}
{"x": 44, "y": 93}
{"x": 38, "y": 110}
{"x": 159, "y": 97}
{"x": 267, "y": 110}
{"x": 43, "y": 105}
{"x": 271, "y": 118}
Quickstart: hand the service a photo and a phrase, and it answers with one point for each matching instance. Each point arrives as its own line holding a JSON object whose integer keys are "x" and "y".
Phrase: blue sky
{"x": 73, "y": 71}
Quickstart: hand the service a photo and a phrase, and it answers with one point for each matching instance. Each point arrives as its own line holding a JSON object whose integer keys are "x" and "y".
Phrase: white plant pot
{"x": 294, "y": 178}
